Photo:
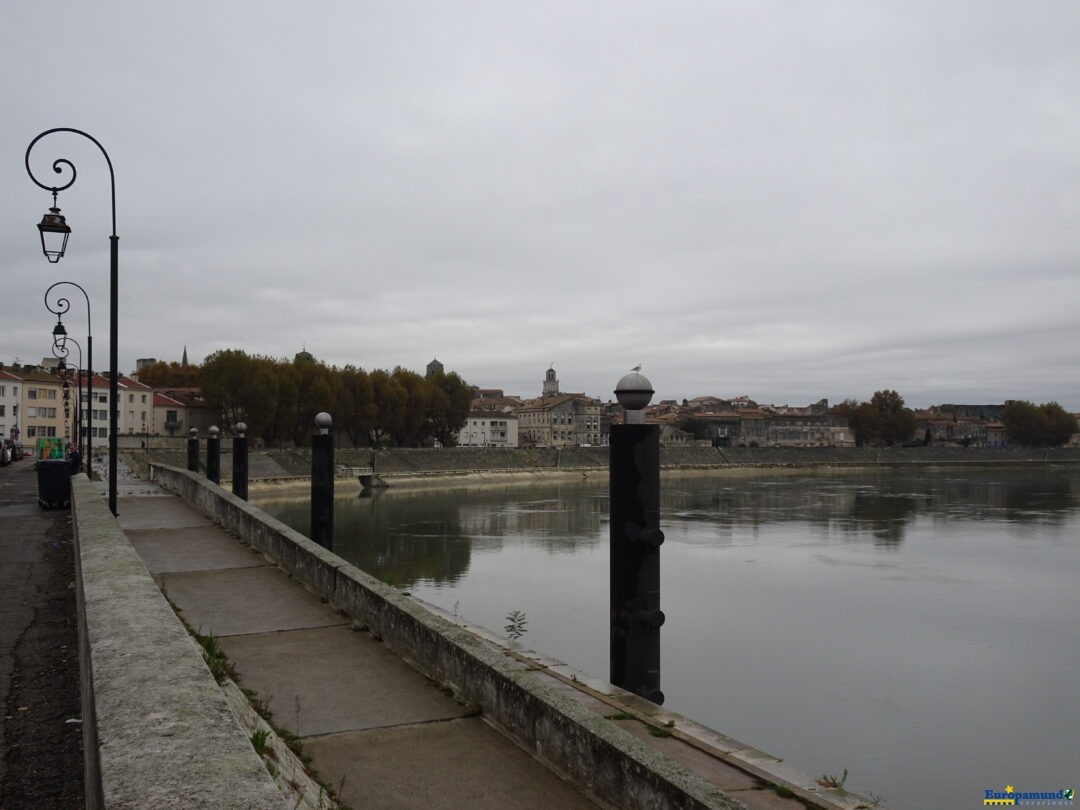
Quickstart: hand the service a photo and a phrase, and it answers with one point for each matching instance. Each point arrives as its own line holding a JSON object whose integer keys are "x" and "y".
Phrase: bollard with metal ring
{"x": 213, "y": 454}
{"x": 193, "y": 450}
{"x": 322, "y": 483}
{"x": 240, "y": 461}
{"x": 635, "y": 544}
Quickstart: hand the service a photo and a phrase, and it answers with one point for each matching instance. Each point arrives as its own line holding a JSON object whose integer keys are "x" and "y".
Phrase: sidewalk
{"x": 41, "y": 760}
{"x": 376, "y": 729}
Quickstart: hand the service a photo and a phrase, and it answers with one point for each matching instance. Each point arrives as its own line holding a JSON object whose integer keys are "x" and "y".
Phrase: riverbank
{"x": 290, "y": 468}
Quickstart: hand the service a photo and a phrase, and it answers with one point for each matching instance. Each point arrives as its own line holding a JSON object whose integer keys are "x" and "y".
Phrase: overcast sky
{"x": 784, "y": 200}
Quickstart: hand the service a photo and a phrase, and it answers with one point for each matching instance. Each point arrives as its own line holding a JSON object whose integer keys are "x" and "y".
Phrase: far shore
{"x": 299, "y": 486}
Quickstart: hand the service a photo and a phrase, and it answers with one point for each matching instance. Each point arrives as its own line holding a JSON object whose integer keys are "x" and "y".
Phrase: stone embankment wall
{"x": 425, "y": 462}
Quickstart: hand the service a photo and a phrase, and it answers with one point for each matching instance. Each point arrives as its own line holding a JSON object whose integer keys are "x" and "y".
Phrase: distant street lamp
{"x": 60, "y": 350}
{"x": 62, "y": 305}
{"x": 54, "y": 232}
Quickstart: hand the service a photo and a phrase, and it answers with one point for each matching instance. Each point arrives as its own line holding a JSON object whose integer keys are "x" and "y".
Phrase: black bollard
{"x": 213, "y": 455}
{"x": 240, "y": 461}
{"x": 193, "y": 450}
{"x": 635, "y": 545}
{"x": 322, "y": 483}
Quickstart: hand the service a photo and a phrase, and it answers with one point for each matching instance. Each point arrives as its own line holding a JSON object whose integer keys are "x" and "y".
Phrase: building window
{"x": 31, "y": 393}
{"x": 52, "y": 393}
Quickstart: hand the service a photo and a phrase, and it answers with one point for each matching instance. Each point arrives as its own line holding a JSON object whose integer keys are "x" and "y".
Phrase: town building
{"x": 567, "y": 420}
{"x": 10, "y": 402}
{"x": 167, "y": 416}
{"x": 560, "y": 420}
{"x": 41, "y": 410}
{"x": 489, "y": 429}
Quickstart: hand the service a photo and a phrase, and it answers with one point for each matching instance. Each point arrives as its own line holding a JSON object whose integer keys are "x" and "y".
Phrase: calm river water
{"x": 918, "y": 629}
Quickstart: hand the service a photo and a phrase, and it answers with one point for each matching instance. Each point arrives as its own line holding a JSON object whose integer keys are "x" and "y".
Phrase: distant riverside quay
{"x": 416, "y": 464}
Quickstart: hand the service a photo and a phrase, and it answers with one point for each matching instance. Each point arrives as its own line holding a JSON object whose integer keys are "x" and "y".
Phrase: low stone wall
{"x": 157, "y": 730}
{"x": 601, "y": 758}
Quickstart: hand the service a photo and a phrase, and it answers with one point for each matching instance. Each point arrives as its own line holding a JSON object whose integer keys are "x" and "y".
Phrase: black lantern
{"x": 54, "y": 234}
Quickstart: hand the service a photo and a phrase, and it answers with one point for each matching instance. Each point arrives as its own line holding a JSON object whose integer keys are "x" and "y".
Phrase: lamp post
{"x": 62, "y": 305}
{"x": 54, "y": 232}
{"x": 60, "y": 350}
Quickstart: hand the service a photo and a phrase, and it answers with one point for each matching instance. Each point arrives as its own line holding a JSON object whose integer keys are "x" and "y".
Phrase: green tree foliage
{"x": 897, "y": 423}
{"x": 449, "y": 407}
{"x": 882, "y": 420}
{"x": 278, "y": 399}
{"x": 169, "y": 375}
{"x": 1046, "y": 425}
{"x": 242, "y": 386}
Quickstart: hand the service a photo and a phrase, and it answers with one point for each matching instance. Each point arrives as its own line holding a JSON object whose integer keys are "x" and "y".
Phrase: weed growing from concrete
{"x": 832, "y": 781}
{"x": 515, "y": 624}
{"x": 258, "y": 741}
{"x": 220, "y": 666}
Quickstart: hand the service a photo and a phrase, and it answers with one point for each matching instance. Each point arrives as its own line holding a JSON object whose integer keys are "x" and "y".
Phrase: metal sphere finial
{"x": 323, "y": 421}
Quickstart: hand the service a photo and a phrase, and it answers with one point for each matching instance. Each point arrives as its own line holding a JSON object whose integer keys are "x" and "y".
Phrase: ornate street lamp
{"x": 61, "y": 350}
{"x": 59, "y": 308}
{"x": 54, "y": 232}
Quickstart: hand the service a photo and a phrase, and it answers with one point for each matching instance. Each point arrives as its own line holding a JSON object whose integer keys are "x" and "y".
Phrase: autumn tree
{"x": 169, "y": 375}
{"x": 243, "y": 387}
{"x": 357, "y": 405}
{"x": 1046, "y": 425}
{"x": 390, "y": 399}
{"x": 882, "y": 420}
{"x": 449, "y": 407}
{"x": 896, "y": 423}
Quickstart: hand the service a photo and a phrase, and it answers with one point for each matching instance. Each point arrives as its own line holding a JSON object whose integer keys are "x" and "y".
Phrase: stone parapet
{"x": 157, "y": 729}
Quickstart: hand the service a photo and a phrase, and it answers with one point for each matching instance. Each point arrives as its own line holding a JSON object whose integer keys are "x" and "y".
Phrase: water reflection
{"x": 430, "y": 536}
{"x": 405, "y": 538}
{"x": 878, "y": 506}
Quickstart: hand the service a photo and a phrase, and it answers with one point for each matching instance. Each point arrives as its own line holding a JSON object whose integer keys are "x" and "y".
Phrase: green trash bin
{"x": 54, "y": 482}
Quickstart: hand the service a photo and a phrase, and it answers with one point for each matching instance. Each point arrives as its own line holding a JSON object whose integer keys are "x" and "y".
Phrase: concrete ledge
{"x": 158, "y": 729}
{"x": 603, "y": 759}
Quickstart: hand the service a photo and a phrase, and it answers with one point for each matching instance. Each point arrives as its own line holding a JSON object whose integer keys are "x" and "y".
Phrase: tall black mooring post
{"x": 322, "y": 483}
{"x": 213, "y": 454}
{"x": 240, "y": 461}
{"x": 193, "y": 450}
{"x": 635, "y": 544}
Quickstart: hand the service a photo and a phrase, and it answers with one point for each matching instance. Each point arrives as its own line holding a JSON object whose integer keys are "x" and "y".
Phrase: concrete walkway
{"x": 377, "y": 730}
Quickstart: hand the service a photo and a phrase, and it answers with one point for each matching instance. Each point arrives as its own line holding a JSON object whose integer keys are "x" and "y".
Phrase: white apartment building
{"x": 9, "y": 405}
{"x": 489, "y": 429}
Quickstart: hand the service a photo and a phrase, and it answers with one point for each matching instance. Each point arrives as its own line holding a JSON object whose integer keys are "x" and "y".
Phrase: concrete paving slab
{"x": 459, "y": 763}
{"x": 244, "y": 600}
{"x": 157, "y": 513}
{"x": 192, "y": 549}
{"x": 332, "y": 679}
